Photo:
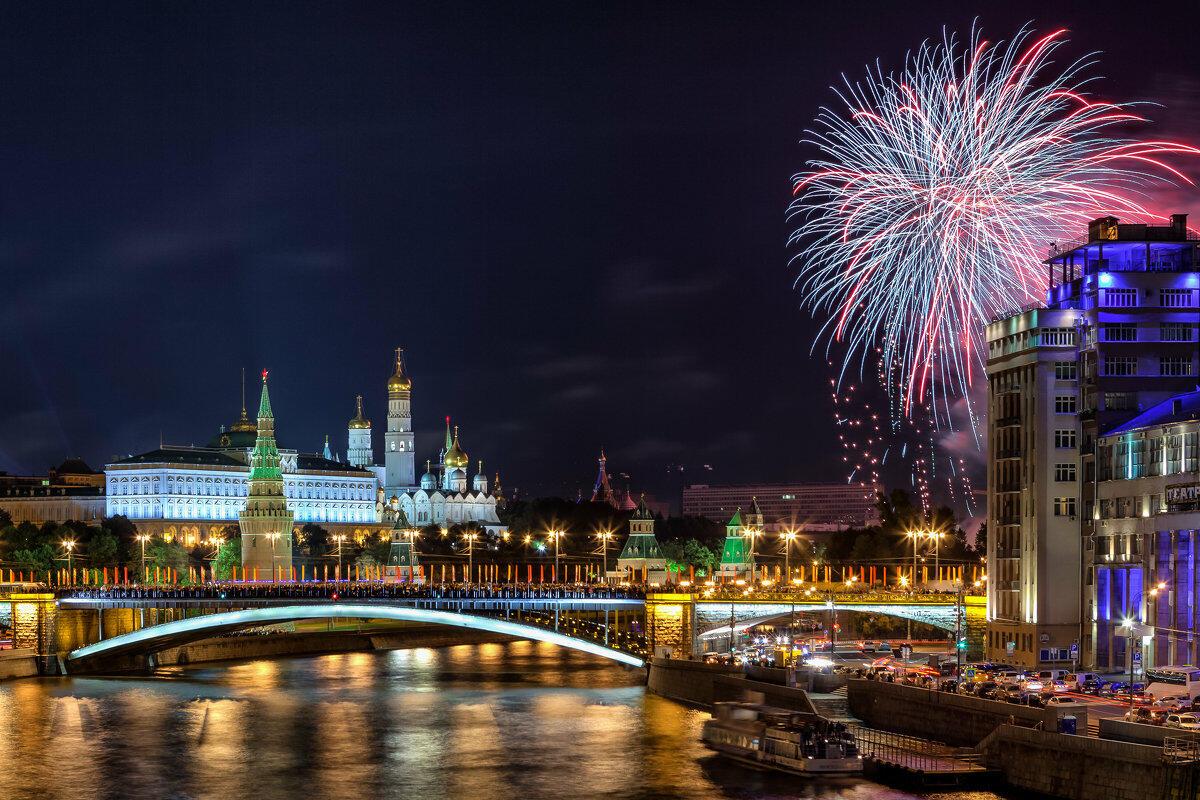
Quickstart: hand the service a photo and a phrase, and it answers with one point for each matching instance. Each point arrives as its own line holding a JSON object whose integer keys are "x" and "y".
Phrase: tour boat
{"x": 776, "y": 738}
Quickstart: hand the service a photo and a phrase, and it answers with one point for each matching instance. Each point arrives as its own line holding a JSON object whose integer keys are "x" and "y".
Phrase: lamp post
{"x": 789, "y": 536}
{"x": 1131, "y": 623}
{"x": 752, "y": 534}
{"x": 555, "y": 535}
{"x": 470, "y": 536}
{"x": 604, "y": 536}
{"x": 339, "y": 538}
{"x": 69, "y": 546}
{"x": 216, "y": 541}
{"x": 143, "y": 538}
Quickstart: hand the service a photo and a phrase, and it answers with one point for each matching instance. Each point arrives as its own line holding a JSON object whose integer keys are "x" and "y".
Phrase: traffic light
{"x": 962, "y": 643}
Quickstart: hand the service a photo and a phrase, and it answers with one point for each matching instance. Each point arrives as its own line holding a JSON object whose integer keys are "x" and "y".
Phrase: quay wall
{"x": 1082, "y": 768}
{"x": 687, "y": 681}
{"x": 19, "y": 663}
{"x": 951, "y": 718}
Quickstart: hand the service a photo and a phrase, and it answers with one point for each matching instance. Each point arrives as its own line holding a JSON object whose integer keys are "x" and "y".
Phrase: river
{"x": 517, "y": 720}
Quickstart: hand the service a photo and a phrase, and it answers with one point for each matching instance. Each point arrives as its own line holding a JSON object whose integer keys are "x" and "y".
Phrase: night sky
{"x": 570, "y": 215}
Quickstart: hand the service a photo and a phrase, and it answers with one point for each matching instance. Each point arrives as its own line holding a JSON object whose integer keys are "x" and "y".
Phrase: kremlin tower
{"x": 266, "y": 522}
{"x": 400, "y": 468}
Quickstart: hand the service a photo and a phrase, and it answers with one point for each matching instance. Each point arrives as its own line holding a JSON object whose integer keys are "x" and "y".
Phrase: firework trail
{"x": 935, "y": 191}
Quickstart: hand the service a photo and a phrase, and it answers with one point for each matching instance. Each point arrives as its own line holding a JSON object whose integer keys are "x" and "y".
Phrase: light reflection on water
{"x": 515, "y": 720}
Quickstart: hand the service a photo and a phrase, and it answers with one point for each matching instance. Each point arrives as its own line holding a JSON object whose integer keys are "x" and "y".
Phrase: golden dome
{"x": 399, "y": 382}
{"x": 244, "y": 425}
{"x": 455, "y": 457}
{"x": 359, "y": 422}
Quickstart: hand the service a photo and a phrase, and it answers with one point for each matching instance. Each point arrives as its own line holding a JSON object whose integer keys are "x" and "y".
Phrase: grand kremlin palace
{"x": 192, "y": 493}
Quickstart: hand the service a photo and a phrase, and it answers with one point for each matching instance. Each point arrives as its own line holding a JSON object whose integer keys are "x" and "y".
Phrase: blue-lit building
{"x": 192, "y": 493}
{"x": 1144, "y": 558}
{"x": 1116, "y": 338}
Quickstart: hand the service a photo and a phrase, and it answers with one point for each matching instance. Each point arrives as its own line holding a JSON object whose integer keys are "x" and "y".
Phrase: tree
{"x": 102, "y": 549}
{"x": 167, "y": 555}
{"x": 314, "y": 540}
{"x": 39, "y": 557}
{"x": 228, "y": 556}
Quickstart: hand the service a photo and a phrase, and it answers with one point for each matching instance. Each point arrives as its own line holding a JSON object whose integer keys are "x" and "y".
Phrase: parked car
{"x": 1048, "y": 675}
{"x": 1032, "y": 685}
{"x": 1038, "y": 700}
{"x": 1056, "y": 687}
{"x": 1054, "y": 701}
{"x": 1171, "y": 702}
{"x": 1108, "y": 689}
{"x": 1145, "y": 716}
{"x": 1138, "y": 690}
{"x": 985, "y": 688}
{"x": 1079, "y": 679}
{"x": 1187, "y": 722}
{"x": 1091, "y": 686}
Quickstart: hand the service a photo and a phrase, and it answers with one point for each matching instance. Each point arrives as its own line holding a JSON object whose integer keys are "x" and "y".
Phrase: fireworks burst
{"x": 936, "y": 190}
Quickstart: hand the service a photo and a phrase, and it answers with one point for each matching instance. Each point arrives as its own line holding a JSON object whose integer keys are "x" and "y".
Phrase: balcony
{"x": 1004, "y": 455}
{"x": 1008, "y": 422}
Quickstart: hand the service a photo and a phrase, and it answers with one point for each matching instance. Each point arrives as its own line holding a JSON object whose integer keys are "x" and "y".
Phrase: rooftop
{"x": 1181, "y": 408}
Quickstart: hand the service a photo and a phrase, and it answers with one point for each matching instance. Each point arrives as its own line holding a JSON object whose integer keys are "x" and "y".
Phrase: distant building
{"x": 641, "y": 554}
{"x": 71, "y": 491}
{"x": 806, "y": 506}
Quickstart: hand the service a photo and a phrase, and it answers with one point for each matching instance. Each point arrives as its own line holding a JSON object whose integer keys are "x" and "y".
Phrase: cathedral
{"x": 445, "y": 494}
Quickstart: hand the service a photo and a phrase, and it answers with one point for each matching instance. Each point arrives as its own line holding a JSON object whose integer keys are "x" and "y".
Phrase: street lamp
{"x": 555, "y": 535}
{"x": 470, "y": 536}
{"x": 143, "y": 538}
{"x": 788, "y": 536}
{"x": 752, "y": 534}
{"x": 339, "y": 538}
{"x": 604, "y": 537}
{"x": 69, "y": 546}
{"x": 1131, "y": 623}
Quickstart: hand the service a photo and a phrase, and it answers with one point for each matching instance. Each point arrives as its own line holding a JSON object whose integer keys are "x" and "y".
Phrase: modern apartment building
{"x": 1117, "y": 336}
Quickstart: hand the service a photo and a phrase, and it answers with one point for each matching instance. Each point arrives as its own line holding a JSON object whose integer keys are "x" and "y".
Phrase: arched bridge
{"x": 164, "y": 635}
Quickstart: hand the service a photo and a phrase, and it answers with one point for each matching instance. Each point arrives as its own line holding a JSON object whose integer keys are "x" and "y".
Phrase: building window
{"x": 1118, "y": 298}
{"x": 1175, "y": 298}
{"x": 1064, "y": 472}
{"x": 1064, "y": 438}
{"x": 1118, "y": 401}
{"x": 1176, "y": 332}
{"x": 1175, "y": 366}
{"x": 1065, "y": 370}
{"x": 1064, "y": 506}
{"x": 1119, "y": 332}
{"x": 1120, "y": 366}
{"x": 1065, "y": 404}
{"x": 1058, "y": 336}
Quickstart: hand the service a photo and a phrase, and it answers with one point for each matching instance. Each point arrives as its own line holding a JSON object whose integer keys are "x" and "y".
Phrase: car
{"x": 1054, "y": 701}
{"x": 1038, "y": 700}
{"x": 1137, "y": 691}
{"x": 1187, "y": 722}
{"x": 1091, "y": 686}
{"x": 1033, "y": 685}
{"x": 1145, "y": 716}
{"x": 1078, "y": 679}
{"x": 1048, "y": 675}
{"x": 984, "y": 689}
{"x": 965, "y": 687}
{"x": 1171, "y": 702}
{"x": 1057, "y": 686}
{"x": 1006, "y": 676}
{"x": 1109, "y": 689}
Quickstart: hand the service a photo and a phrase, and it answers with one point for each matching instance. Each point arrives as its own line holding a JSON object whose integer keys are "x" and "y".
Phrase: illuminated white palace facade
{"x": 193, "y": 493}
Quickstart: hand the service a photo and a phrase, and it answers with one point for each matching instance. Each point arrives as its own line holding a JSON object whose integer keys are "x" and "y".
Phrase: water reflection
{"x": 518, "y": 720}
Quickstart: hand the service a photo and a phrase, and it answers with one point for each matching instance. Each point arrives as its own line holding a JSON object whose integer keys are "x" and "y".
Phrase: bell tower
{"x": 399, "y": 457}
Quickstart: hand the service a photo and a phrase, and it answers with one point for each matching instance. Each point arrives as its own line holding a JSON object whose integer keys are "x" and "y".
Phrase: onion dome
{"x": 428, "y": 480}
{"x": 359, "y": 422}
{"x": 399, "y": 382}
{"x": 455, "y": 457}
